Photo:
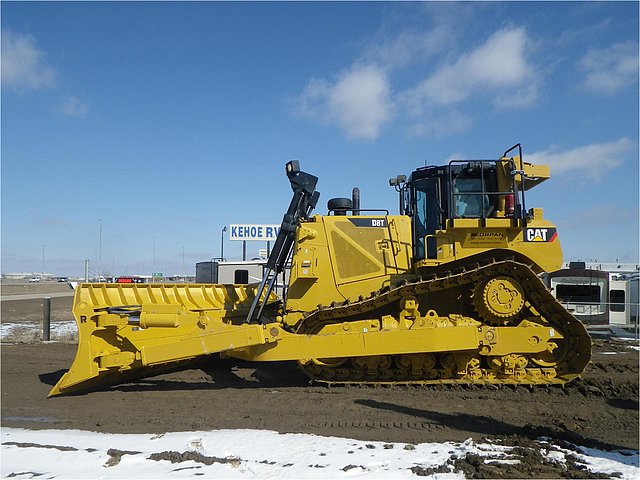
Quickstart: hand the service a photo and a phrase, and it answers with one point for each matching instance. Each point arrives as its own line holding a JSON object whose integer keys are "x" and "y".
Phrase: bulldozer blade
{"x": 132, "y": 331}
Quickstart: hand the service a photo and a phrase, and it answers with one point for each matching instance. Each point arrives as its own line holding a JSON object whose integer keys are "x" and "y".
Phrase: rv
{"x": 596, "y": 297}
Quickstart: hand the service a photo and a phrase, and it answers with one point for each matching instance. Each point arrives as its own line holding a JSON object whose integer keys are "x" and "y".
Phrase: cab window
{"x": 426, "y": 219}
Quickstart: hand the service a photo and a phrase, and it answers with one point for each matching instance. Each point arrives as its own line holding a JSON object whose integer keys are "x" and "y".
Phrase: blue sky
{"x": 164, "y": 122}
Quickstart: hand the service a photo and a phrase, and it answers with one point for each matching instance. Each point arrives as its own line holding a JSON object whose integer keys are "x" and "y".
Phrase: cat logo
{"x": 540, "y": 234}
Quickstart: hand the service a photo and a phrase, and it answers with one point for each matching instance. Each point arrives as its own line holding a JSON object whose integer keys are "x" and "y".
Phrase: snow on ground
{"x": 631, "y": 340}
{"x": 255, "y": 454}
{"x": 59, "y": 330}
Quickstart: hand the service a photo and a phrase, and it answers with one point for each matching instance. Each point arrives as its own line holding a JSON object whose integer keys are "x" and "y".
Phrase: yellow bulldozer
{"x": 448, "y": 291}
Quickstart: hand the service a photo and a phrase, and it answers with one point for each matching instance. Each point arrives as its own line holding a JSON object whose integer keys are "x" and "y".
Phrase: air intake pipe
{"x": 355, "y": 200}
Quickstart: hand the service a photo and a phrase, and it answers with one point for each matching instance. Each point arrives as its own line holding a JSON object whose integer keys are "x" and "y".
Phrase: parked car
{"x": 34, "y": 280}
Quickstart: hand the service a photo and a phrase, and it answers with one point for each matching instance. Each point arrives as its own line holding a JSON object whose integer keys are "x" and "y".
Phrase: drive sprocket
{"x": 498, "y": 300}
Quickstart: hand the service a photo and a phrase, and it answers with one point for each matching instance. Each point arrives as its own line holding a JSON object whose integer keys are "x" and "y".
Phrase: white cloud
{"x": 497, "y": 64}
{"x": 23, "y": 65}
{"x": 409, "y": 47}
{"x": 611, "y": 69}
{"x": 439, "y": 125}
{"x": 359, "y": 101}
{"x": 593, "y": 161}
{"x": 518, "y": 98}
{"x": 72, "y": 107}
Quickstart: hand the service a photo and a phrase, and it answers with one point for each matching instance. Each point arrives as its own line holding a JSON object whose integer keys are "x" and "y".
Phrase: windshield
{"x": 473, "y": 191}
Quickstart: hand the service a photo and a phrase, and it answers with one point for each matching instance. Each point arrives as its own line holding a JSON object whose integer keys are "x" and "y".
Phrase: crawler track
{"x": 451, "y": 293}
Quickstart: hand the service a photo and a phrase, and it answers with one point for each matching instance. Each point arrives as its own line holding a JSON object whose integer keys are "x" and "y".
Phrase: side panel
{"x": 536, "y": 240}
{"x": 343, "y": 257}
{"x": 362, "y": 248}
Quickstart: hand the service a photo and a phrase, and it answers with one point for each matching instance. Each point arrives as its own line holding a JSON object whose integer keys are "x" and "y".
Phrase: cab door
{"x": 427, "y": 217}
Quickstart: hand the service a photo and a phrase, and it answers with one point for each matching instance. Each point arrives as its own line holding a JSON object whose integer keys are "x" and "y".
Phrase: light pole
{"x": 153, "y": 266}
{"x": 224, "y": 229}
{"x": 100, "y": 251}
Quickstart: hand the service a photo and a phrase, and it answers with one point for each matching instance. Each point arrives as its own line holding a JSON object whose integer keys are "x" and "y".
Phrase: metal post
{"x": 46, "y": 319}
{"x": 224, "y": 229}
{"x": 244, "y": 250}
{"x": 100, "y": 251}
{"x": 153, "y": 268}
{"x": 86, "y": 271}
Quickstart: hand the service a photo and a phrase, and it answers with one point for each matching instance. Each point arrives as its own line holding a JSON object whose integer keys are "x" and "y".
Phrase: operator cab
{"x": 435, "y": 196}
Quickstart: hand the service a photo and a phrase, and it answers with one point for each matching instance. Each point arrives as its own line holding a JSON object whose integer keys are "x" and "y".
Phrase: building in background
{"x": 238, "y": 272}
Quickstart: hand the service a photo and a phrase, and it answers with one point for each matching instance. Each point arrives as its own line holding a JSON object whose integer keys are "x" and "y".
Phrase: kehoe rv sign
{"x": 253, "y": 232}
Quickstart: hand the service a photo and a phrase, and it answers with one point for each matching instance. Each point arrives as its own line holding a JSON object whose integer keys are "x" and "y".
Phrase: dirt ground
{"x": 599, "y": 410}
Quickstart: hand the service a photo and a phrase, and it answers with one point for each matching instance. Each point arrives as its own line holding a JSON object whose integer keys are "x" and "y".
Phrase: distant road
{"x": 35, "y": 296}
{"x": 24, "y": 290}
